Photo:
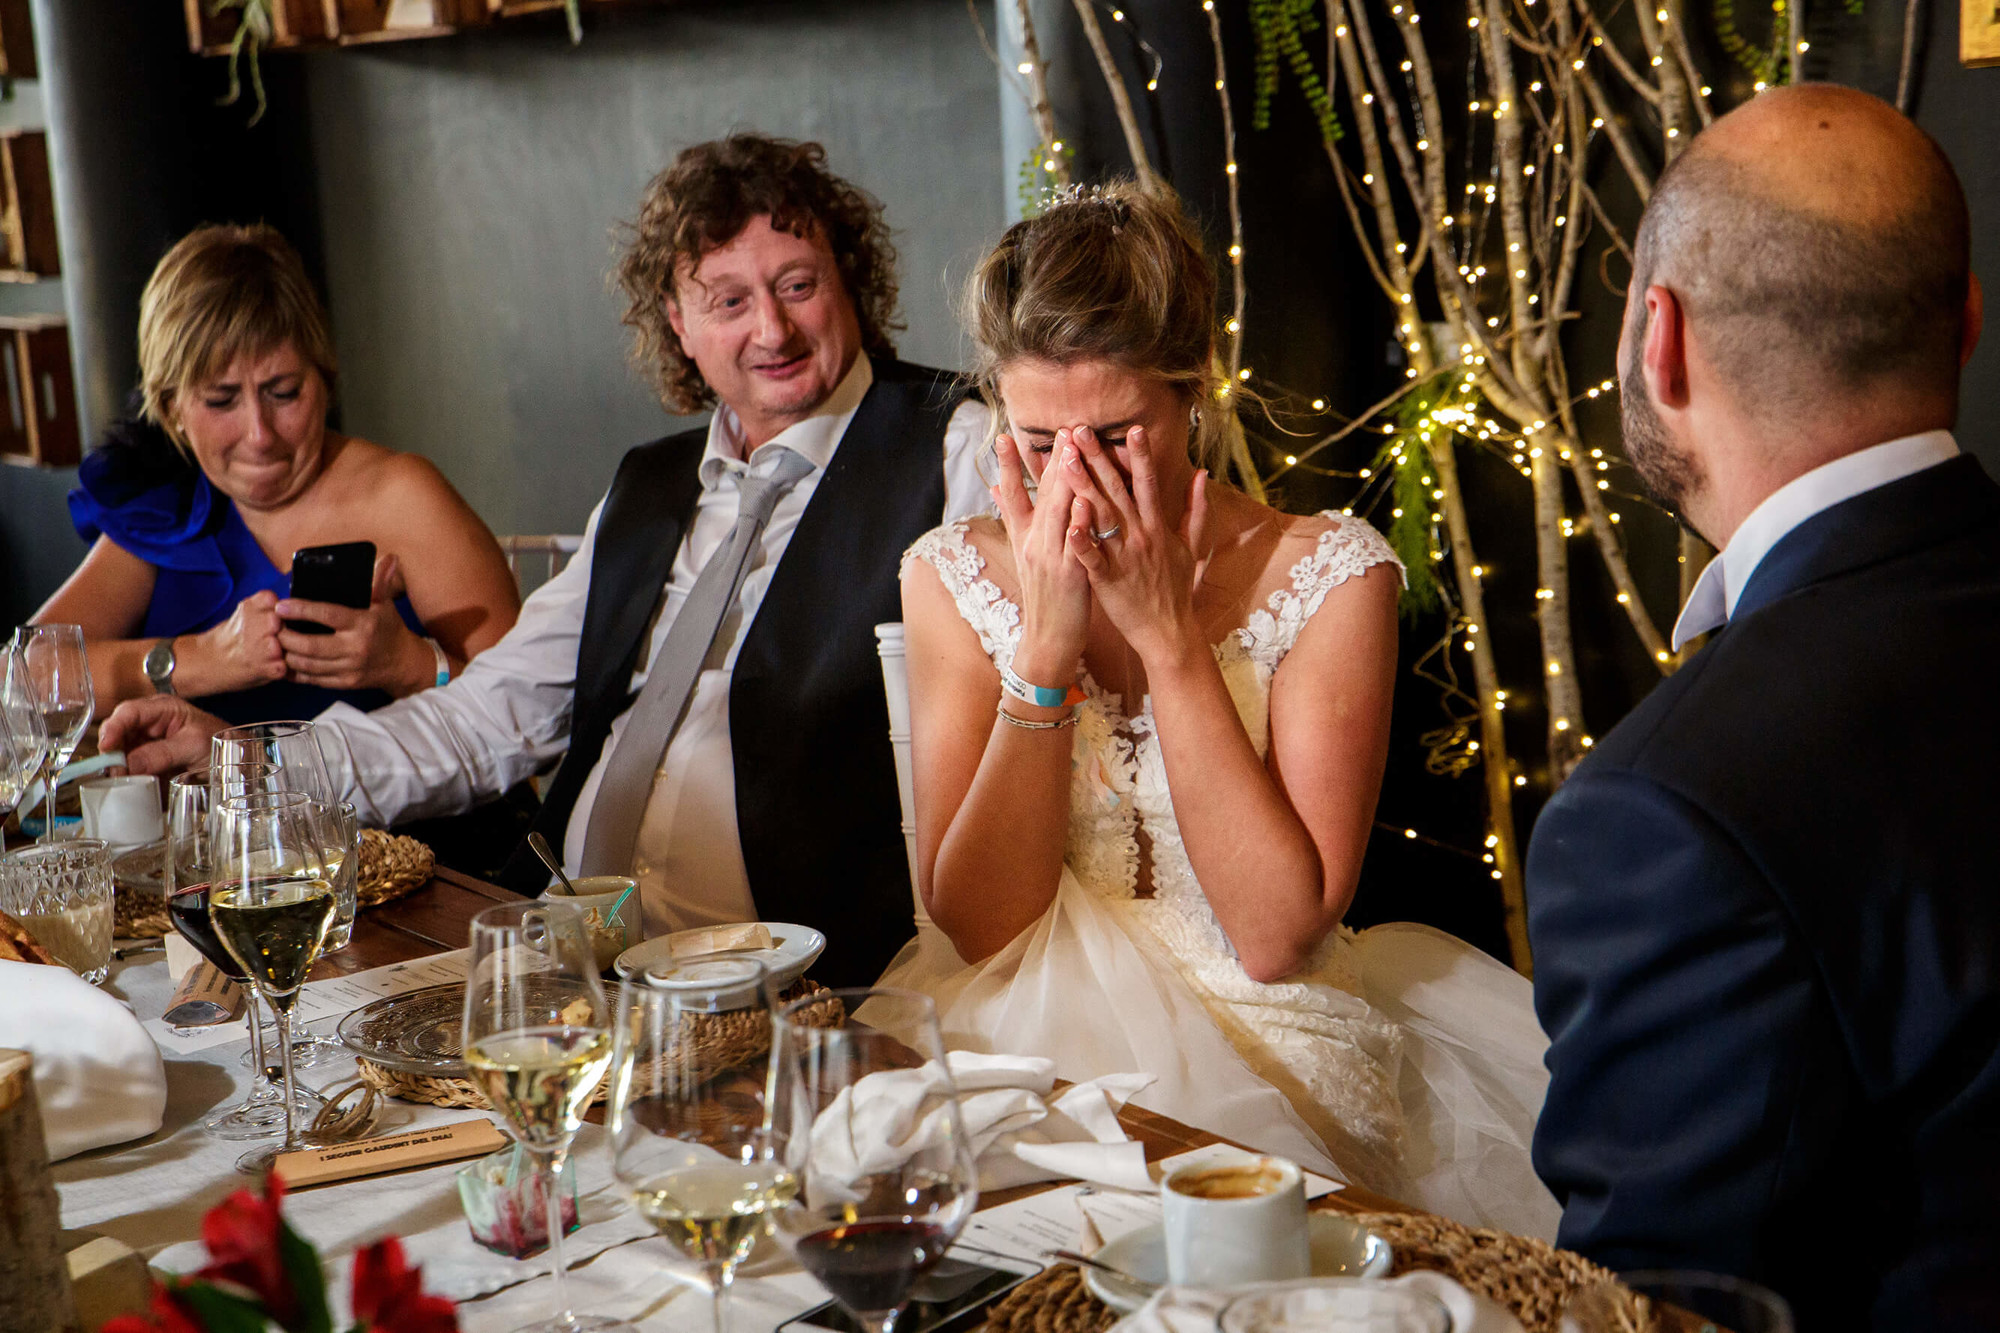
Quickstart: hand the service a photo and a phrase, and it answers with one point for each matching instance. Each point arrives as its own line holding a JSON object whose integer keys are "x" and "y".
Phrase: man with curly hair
{"x": 707, "y": 660}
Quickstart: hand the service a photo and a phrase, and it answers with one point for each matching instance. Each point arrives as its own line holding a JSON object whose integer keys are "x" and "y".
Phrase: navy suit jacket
{"x": 1766, "y": 924}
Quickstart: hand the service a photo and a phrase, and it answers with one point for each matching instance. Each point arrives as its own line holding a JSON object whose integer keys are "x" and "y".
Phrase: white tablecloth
{"x": 151, "y": 1195}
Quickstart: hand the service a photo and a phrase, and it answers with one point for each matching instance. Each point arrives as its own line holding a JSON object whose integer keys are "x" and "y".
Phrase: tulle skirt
{"x": 1418, "y": 1075}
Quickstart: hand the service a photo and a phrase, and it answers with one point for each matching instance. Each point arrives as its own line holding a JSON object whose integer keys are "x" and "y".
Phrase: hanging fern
{"x": 253, "y": 33}
{"x": 1280, "y": 27}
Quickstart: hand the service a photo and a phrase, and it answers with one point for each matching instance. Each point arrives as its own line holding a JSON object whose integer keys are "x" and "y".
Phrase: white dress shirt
{"x": 1713, "y": 600}
{"x": 507, "y": 716}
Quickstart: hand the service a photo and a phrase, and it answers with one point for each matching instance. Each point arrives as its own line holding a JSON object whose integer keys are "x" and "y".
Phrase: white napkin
{"x": 1017, "y": 1134}
{"x": 1199, "y": 1310}
{"x": 98, "y": 1075}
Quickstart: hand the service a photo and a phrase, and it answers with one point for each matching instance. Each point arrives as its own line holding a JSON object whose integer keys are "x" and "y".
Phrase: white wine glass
{"x": 689, "y": 1138}
{"x": 538, "y": 1042}
{"x": 58, "y": 675}
{"x": 23, "y": 742}
{"x": 865, "y": 1224}
{"x": 270, "y": 901}
{"x": 286, "y": 756}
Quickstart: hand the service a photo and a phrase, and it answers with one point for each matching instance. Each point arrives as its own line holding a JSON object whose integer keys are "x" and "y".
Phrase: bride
{"x": 1150, "y": 717}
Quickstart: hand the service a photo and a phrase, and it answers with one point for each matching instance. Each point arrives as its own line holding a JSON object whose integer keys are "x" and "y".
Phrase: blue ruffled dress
{"x": 165, "y": 512}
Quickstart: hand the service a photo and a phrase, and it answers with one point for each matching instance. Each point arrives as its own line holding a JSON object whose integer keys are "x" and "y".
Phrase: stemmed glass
{"x": 689, "y": 1138}
{"x": 270, "y": 901}
{"x": 23, "y": 743}
{"x": 58, "y": 674}
{"x": 538, "y": 1042}
{"x": 285, "y": 756}
{"x": 188, "y": 870}
{"x": 868, "y": 1220}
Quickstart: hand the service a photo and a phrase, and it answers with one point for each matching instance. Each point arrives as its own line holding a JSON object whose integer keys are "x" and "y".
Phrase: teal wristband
{"x": 443, "y": 663}
{"x": 1038, "y": 695}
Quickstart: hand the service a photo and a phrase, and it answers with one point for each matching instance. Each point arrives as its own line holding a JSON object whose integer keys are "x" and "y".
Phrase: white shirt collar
{"x": 1713, "y": 599}
{"x": 814, "y": 438}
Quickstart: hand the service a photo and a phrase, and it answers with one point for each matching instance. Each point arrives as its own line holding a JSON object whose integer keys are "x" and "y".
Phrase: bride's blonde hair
{"x": 1112, "y": 272}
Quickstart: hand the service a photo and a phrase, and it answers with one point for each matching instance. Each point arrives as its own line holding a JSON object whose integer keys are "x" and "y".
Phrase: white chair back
{"x": 896, "y": 688}
{"x": 548, "y": 555}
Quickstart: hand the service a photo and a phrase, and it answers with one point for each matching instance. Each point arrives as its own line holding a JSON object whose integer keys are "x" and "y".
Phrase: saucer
{"x": 1341, "y": 1247}
{"x": 793, "y": 949}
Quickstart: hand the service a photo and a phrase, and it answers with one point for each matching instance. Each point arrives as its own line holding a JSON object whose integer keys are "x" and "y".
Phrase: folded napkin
{"x": 98, "y": 1075}
{"x": 1017, "y": 1133}
{"x": 1199, "y": 1310}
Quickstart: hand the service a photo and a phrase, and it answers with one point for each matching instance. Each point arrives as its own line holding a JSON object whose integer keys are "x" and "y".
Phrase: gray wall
{"x": 469, "y": 188}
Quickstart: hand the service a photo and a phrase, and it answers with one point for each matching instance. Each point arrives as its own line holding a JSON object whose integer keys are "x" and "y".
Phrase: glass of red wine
{"x": 188, "y": 872}
{"x": 869, "y": 1126}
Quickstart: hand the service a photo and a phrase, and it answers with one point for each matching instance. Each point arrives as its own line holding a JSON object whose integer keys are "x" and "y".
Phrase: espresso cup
{"x": 1235, "y": 1219}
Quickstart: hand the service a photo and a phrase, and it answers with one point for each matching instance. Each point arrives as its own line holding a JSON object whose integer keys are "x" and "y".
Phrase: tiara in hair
{"x": 1079, "y": 194}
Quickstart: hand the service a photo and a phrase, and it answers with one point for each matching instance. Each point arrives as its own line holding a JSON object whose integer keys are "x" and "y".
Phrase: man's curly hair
{"x": 704, "y": 200}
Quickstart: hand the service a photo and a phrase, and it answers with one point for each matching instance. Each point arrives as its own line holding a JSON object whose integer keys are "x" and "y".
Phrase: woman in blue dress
{"x": 194, "y": 508}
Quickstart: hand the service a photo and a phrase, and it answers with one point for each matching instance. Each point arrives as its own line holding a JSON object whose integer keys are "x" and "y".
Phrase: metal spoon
{"x": 1085, "y": 1261}
{"x": 540, "y": 847}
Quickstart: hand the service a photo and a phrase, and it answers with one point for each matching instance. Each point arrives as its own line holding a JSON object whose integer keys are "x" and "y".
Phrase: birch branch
{"x": 1235, "y": 206}
{"x": 1053, "y": 162}
{"x": 1906, "y": 71}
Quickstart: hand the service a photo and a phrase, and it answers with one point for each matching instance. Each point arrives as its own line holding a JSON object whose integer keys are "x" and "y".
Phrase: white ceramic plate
{"x": 793, "y": 949}
{"x": 1341, "y": 1247}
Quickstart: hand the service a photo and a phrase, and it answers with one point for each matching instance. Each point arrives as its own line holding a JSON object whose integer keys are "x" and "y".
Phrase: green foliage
{"x": 253, "y": 32}
{"x": 1280, "y": 28}
{"x": 1768, "y": 65}
{"x": 1033, "y": 182}
{"x": 221, "y": 1311}
{"x": 302, "y": 1268}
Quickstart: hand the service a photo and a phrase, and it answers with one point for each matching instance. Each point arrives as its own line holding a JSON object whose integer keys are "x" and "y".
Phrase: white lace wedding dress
{"x": 1400, "y": 1058}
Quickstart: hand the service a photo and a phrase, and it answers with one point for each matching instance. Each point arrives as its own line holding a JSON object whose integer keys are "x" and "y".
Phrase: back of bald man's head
{"x": 1820, "y": 246}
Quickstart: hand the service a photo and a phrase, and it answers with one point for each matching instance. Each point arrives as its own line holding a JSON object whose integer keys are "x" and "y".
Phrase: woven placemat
{"x": 1052, "y": 1301}
{"x": 391, "y": 866}
{"x": 724, "y": 1042}
{"x": 1531, "y": 1278}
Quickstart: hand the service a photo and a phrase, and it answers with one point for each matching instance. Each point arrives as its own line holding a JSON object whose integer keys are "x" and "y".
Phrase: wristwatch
{"x": 160, "y": 666}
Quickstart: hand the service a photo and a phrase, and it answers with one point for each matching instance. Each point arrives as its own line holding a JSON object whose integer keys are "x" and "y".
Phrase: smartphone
{"x": 951, "y": 1297}
{"x": 343, "y": 574}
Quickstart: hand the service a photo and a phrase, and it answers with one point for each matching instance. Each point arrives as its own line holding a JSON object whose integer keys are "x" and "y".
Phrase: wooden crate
{"x": 364, "y": 21}
{"x": 37, "y": 393}
{"x": 17, "y": 41}
{"x": 27, "y": 208}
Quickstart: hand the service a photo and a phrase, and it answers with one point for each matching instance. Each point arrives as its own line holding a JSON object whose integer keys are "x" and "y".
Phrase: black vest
{"x": 816, "y": 803}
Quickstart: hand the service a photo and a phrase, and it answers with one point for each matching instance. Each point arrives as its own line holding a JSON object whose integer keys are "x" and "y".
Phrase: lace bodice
{"x": 1119, "y": 801}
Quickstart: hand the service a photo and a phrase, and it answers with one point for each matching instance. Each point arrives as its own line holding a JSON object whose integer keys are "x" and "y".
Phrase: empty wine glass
{"x": 188, "y": 869}
{"x": 868, "y": 1219}
{"x": 270, "y": 901}
{"x": 23, "y": 742}
{"x": 538, "y": 1042}
{"x": 58, "y": 676}
{"x": 689, "y": 1138}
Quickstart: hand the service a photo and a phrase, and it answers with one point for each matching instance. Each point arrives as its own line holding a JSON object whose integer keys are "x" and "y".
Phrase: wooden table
{"x": 438, "y": 917}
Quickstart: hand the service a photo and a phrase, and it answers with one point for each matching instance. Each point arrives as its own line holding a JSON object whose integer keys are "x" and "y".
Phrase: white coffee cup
{"x": 1238, "y": 1219}
{"x": 124, "y": 812}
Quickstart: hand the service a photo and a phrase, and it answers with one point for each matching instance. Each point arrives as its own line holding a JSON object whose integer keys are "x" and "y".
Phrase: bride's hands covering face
{"x": 1055, "y": 590}
{"x": 1145, "y": 576}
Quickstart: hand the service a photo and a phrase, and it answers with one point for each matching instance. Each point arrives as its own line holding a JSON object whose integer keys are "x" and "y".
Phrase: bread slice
{"x": 17, "y": 945}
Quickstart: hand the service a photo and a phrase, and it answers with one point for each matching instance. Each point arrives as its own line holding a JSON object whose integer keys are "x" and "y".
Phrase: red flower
{"x": 389, "y": 1297}
{"x": 169, "y": 1316}
{"x": 243, "y": 1234}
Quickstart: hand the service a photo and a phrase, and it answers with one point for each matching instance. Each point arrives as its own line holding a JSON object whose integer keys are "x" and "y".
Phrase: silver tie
{"x": 627, "y": 785}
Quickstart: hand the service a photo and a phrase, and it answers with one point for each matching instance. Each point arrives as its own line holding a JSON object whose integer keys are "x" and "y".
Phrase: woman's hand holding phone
{"x": 237, "y": 654}
{"x": 370, "y": 648}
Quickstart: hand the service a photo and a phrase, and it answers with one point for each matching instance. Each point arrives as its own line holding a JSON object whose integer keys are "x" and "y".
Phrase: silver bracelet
{"x": 1067, "y": 720}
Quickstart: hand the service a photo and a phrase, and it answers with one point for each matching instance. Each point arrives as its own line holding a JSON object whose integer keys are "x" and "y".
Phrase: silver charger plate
{"x": 423, "y": 1031}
